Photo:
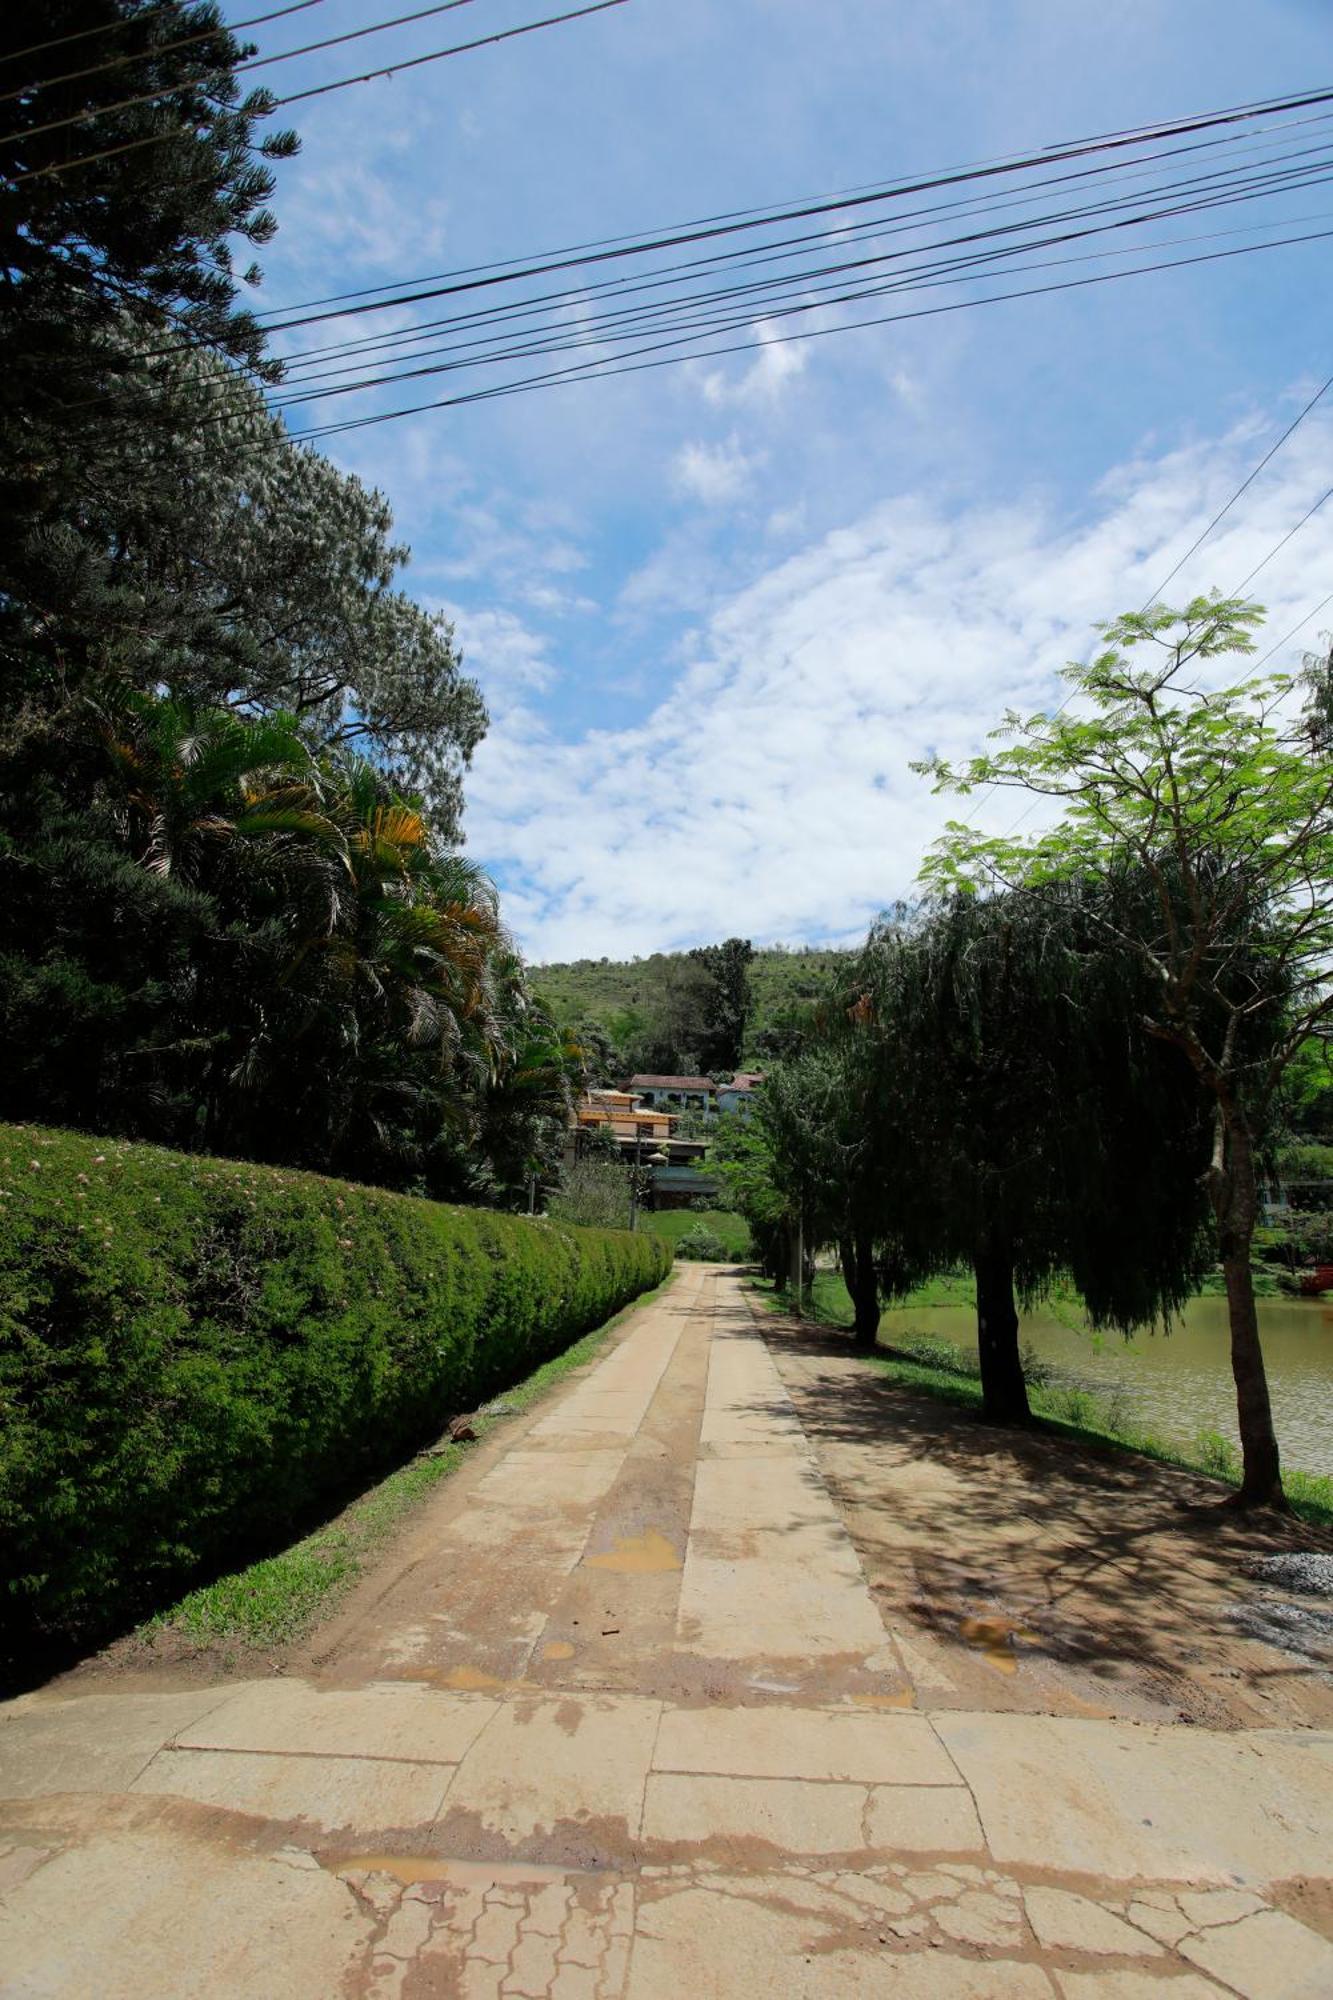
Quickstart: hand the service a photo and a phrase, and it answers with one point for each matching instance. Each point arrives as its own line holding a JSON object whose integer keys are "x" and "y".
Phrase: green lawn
{"x": 673, "y": 1223}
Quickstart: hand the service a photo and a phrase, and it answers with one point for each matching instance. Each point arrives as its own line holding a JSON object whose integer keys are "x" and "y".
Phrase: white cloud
{"x": 714, "y": 473}
{"x": 347, "y": 205}
{"x": 767, "y": 376}
{"x": 770, "y": 792}
{"x": 908, "y": 390}
{"x": 499, "y": 651}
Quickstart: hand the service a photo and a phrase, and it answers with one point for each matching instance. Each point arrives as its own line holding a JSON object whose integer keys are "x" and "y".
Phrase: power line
{"x": 697, "y": 324}
{"x": 1244, "y": 486}
{"x": 700, "y": 232}
{"x": 783, "y": 250}
{"x": 702, "y": 314}
{"x": 1272, "y": 166}
{"x": 569, "y": 256}
{"x": 762, "y": 293}
{"x": 1300, "y": 627}
{"x": 415, "y": 62}
{"x": 1278, "y": 547}
{"x": 698, "y": 311}
{"x": 141, "y": 55}
{"x": 591, "y": 371}
{"x": 110, "y": 27}
{"x": 234, "y": 69}
{"x": 759, "y": 217}
{"x": 342, "y": 83}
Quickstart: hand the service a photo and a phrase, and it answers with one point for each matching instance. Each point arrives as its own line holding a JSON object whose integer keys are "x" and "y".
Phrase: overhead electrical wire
{"x": 763, "y": 293}
{"x": 748, "y": 256}
{"x": 590, "y": 371}
{"x": 1256, "y": 160}
{"x": 695, "y": 325}
{"x": 1244, "y": 487}
{"x": 322, "y": 89}
{"x": 678, "y": 306}
{"x": 870, "y": 230}
{"x": 1322, "y": 605}
{"x": 747, "y": 277}
{"x": 232, "y": 69}
{"x": 143, "y": 55}
{"x": 526, "y": 325}
{"x": 775, "y": 211}
{"x": 126, "y": 21}
{"x": 1276, "y": 549}
{"x": 700, "y": 232}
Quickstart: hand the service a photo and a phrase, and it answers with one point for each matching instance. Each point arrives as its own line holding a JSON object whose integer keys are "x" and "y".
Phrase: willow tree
{"x": 1220, "y": 799}
{"x": 1031, "y": 1130}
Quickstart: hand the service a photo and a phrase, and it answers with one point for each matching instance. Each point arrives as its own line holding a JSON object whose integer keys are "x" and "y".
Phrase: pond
{"x": 1178, "y": 1384}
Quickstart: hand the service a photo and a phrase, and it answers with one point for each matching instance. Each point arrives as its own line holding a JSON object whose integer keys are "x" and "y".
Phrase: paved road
{"x": 621, "y": 1720}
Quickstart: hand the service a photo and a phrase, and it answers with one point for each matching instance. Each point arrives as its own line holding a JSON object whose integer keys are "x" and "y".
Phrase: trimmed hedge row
{"x": 196, "y": 1354}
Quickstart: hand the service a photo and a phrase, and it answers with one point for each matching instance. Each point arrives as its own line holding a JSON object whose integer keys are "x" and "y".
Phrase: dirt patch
{"x": 1022, "y": 1571}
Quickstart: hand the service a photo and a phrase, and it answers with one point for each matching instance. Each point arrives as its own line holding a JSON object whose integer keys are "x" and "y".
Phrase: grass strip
{"x": 280, "y": 1597}
{"x": 934, "y": 1368}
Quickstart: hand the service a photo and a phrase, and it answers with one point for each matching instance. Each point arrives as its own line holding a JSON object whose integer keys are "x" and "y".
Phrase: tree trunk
{"x": 1004, "y": 1392}
{"x": 1236, "y": 1204}
{"x": 857, "y": 1257}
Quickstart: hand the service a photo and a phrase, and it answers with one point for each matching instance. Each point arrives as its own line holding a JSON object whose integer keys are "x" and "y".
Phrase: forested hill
{"x": 654, "y": 1012}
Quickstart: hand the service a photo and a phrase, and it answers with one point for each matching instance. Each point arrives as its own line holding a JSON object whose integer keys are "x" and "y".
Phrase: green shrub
{"x": 196, "y": 1355}
{"x": 728, "y": 1228}
{"x": 701, "y": 1245}
{"x": 1217, "y": 1455}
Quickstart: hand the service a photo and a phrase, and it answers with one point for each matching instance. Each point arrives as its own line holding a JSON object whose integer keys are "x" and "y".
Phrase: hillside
{"x": 639, "y": 1001}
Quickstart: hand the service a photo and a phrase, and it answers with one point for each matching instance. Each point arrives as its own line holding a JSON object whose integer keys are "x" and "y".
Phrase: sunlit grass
{"x": 731, "y": 1230}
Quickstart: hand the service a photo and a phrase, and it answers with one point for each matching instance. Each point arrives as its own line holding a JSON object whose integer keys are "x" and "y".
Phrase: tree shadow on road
{"x": 1088, "y": 1557}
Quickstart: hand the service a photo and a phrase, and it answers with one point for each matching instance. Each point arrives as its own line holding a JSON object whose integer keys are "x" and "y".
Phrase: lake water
{"x": 1178, "y": 1384}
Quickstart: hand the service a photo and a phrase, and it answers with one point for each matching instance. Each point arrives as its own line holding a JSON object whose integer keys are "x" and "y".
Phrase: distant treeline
{"x": 653, "y": 1013}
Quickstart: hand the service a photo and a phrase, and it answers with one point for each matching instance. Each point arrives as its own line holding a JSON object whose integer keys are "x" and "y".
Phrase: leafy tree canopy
{"x": 1220, "y": 800}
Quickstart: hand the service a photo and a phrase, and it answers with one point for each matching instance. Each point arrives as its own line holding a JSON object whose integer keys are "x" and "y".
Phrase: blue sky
{"x": 717, "y": 610}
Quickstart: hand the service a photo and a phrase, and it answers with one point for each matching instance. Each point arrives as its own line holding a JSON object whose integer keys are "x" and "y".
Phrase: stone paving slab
{"x": 162, "y": 1908}
{"x": 1123, "y": 1799}
{"x": 780, "y": 1742}
{"x": 326, "y": 1792}
{"x": 392, "y": 1720}
{"x": 91, "y": 1743}
{"x": 788, "y": 1814}
{"x": 543, "y": 1762}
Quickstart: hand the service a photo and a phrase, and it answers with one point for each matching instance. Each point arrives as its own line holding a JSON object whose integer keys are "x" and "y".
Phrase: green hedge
{"x": 197, "y": 1354}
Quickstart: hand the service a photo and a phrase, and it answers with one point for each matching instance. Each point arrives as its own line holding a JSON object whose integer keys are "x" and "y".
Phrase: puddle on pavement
{"x": 557, "y": 1649}
{"x": 468, "y": 1680}
{"x": 638, "y": 1555}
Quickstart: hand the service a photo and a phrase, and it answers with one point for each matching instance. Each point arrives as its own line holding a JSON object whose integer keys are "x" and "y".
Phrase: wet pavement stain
{"x": 469, "y": 1680}
{"x": 648, "y": 1554}
{"x": 557, "y": 1649}
{"x": 994, "y": 1639}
